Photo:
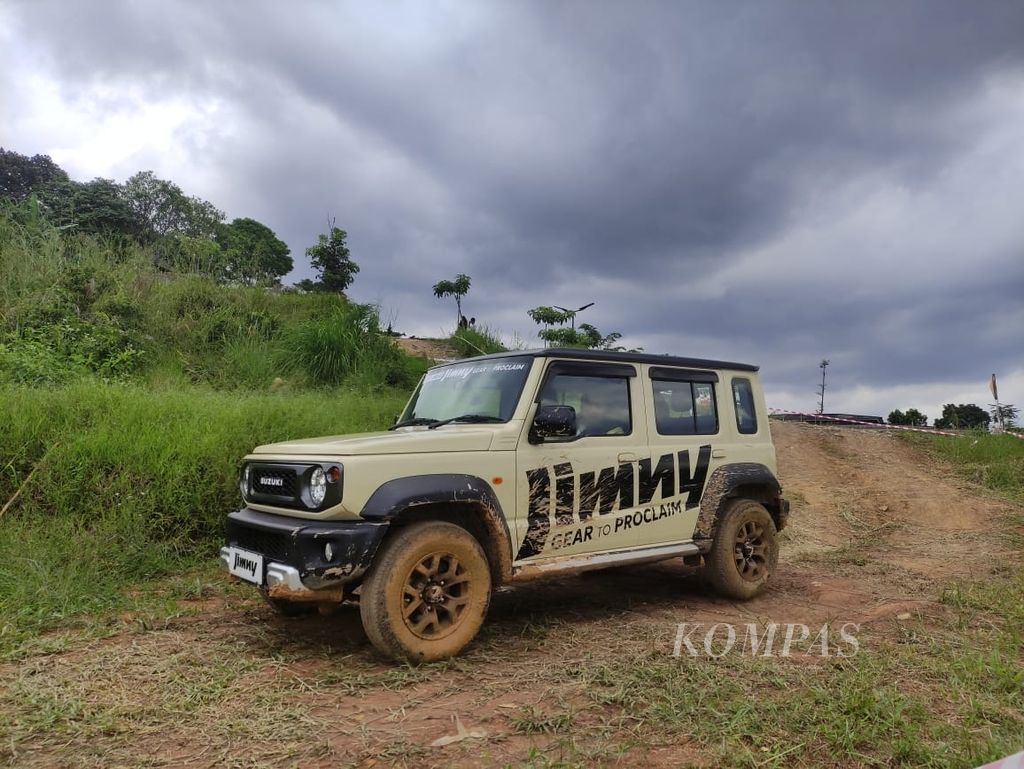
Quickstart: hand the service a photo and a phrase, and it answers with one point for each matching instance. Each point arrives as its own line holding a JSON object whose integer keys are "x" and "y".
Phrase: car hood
{"x": 415, "y": 440}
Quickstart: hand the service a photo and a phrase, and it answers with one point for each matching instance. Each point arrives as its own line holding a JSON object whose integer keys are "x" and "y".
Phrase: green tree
{"x": 21, "y": 175}
{"x": 331, "y": 258}
{"x": 1008, "y": 411}
{"x": 549, "y": 316}
{"x": 911, "y": 418}
{"x": 251, "y": 253}
{"x": 556, "y": 335}
{"x": 97, "y": 207}
{"x": 457, "y": 288}
{"x": 167, "y": 210}
{"x": 962, "y": 415}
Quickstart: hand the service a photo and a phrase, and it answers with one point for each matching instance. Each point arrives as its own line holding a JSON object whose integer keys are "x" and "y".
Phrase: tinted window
{"x": 601, "y": 403}
{"x": 685, "y": 408}
{"x": 743, "y": 399}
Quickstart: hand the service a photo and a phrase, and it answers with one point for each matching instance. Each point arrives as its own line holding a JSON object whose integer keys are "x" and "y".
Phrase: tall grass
{"x": 477, "y": 340}
{"x": 993, "y": 460}
{"x": 78, "y": 305}
{"x": 118, "y": 484}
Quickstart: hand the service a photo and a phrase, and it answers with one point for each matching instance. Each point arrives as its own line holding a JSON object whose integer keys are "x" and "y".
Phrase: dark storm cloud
{"x": 626, "y": 154}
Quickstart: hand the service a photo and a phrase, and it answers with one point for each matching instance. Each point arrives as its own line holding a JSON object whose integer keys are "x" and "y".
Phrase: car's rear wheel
{"x": 745, "y": 551}
{"x": 427, "y": 593}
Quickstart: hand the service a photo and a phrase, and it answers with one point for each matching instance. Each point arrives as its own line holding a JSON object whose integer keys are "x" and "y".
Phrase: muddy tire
{"x": 427, "y": 593}
{"x": 745, "y": 551}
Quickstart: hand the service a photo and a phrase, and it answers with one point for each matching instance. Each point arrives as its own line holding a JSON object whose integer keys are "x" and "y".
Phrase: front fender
{"x": 401, "y": 497}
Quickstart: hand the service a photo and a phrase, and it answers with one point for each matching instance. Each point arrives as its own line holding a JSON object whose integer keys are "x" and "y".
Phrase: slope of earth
{"x": 574, "y": 671}
{"x": 436, "y": 350}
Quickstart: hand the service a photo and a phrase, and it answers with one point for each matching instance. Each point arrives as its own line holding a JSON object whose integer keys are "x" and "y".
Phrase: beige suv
{"x": 508, "y": 467}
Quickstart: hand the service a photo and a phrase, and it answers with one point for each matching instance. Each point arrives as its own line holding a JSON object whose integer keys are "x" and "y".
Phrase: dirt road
{"x": 876, "y": 530}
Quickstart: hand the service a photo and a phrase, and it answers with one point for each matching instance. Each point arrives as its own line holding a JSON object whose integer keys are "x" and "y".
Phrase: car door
{"x": 688, "y": 437}
{"x": 576, "y": 491}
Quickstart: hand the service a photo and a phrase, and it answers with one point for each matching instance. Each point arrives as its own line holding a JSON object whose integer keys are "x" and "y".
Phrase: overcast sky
{"x": 771, "y": 182}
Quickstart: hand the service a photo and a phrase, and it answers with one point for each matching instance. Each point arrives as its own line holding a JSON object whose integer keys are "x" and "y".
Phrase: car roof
{"x": 611, "y": 356}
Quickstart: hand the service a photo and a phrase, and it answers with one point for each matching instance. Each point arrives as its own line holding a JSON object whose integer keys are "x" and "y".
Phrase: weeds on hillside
{"x": 476, "y": 340}
{"x": 116, "y": 485}
{"x": 79, "y": 305}
{"x": 989, "y": 459}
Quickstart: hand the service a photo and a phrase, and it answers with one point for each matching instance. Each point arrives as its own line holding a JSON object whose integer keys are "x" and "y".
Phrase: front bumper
{"x": 293, "y": 549}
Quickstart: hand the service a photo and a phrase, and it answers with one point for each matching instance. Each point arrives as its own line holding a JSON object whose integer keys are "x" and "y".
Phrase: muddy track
{"x": 876, "y": 530}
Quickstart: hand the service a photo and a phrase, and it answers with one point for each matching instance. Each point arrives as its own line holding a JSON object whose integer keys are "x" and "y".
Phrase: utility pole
{"x": 821, "y": 390}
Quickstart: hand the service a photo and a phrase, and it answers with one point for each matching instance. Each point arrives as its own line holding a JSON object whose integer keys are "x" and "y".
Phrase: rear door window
{"x": 685, "y": 408}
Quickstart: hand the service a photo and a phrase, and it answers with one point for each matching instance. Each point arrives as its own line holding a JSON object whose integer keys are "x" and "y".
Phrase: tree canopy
{"x": 331, "y": 258}
{"x": 165, "y": 209}
{"x": 21, "y": 175}
{"x": 964, "y": 415}
{"x": 910, "y": 417}
{"x": 252, "y": 253}
{"x": 457, "y": 288}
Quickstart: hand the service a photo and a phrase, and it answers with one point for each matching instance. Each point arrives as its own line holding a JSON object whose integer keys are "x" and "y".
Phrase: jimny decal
{"x": 617, "y": 488}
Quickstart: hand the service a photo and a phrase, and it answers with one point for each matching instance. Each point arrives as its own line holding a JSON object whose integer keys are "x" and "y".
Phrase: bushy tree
{"x": 457, "y": 288}
{"x": 556, "y": 335}
{"x": 962, "y": 415}
{"x": 911, "y": 418}
{"x": 97, "y": 207}
{"x": 331, "y": 258}
{"x": 167, "y": 210}
{"x": 21, "y": 175}
{"x": 549, "y": 316}
{"x": 251, "y": 253}
{"x": 1009, "y": 413}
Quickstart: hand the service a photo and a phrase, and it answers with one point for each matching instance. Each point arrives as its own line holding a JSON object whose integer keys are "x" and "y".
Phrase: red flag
{"x": 992, "y": 387}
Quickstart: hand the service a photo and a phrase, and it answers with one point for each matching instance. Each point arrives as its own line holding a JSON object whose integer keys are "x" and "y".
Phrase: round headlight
{"x": 317, "y": 487}
{"x": 243, "y": 481}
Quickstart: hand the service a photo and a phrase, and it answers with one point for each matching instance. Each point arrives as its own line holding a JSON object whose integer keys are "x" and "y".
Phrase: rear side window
{"x": 743, "y": 400}
{"x": 685, "y": 408}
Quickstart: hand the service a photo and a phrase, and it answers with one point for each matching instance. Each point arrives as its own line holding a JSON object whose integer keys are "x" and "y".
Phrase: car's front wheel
{"x": 427, "y": 593}
{"x": 745, "y": 550}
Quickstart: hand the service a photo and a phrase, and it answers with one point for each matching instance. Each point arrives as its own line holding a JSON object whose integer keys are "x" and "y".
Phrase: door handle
{"x": 718, "y": 453}
{"x": 628, "y": 456}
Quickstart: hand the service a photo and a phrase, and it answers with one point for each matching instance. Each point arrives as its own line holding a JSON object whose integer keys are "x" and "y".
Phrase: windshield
{"x": 487, "y": 388}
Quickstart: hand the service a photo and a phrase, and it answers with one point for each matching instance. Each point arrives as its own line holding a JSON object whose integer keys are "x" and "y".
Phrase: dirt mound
{"x": 435, "y": 349}
{"x": 864, "y": 495}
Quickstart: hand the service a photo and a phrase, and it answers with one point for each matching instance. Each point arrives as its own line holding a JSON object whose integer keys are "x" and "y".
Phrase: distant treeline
{"x": 185, "y": 233}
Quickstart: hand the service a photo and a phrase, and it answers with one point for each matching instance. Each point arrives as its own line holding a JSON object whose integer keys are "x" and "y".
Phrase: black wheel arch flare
{"x": 740, "y": 480}
{"x": 448, "y": 496}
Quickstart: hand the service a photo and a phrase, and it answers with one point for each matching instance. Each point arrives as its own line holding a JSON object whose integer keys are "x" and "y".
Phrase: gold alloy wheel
{"x": 435, "y": 596}
{"x": 426, "y": 595}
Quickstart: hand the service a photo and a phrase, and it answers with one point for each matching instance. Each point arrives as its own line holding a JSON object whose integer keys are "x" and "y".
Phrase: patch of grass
{"x": 531, "y": 720}
{"x": 478, "y": 340}
{"x": 993, "y": 461}
{"x": 113, "y": 485}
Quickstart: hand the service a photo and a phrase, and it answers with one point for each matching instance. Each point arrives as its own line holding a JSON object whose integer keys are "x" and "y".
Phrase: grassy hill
{"x": 127, "y": 397}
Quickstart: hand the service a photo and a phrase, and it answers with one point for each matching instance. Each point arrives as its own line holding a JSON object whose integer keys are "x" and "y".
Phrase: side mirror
{"x": 553, "y": 422}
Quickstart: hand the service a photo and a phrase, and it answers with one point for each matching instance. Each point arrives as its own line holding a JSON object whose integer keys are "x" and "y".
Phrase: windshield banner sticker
{"x": 463, "y": 372}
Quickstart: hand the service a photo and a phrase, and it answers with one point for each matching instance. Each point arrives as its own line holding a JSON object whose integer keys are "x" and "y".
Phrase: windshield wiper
{"x": 465, "y": 418}
{"x": 413, "y": 421}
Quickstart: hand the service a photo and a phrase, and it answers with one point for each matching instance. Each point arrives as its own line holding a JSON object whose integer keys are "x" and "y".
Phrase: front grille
{"x": 277, "y": 482}
{"x": 272, "y": 545}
